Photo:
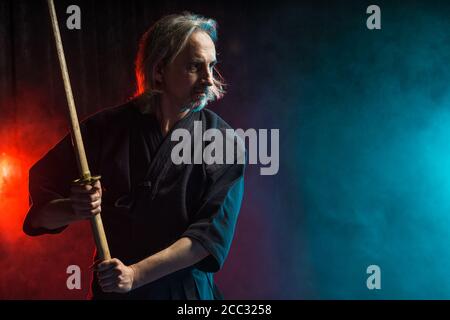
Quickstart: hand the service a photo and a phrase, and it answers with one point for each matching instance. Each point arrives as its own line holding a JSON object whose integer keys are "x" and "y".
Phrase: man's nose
{"x": 208, "y": 78}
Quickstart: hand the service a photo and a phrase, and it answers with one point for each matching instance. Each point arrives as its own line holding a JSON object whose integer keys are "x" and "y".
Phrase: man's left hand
{"x": 114, "y": 276}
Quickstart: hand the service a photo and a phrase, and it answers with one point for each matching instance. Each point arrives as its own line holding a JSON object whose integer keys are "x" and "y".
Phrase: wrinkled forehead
{"x": 200, "y": 47}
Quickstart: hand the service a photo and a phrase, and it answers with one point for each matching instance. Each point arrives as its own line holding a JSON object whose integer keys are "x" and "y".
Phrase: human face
{"x": 188, "y": 80}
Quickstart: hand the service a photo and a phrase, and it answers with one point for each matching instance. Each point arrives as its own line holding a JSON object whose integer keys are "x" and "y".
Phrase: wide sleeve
{"x": 50, "y": 177}
{"x": 214, "y": 223}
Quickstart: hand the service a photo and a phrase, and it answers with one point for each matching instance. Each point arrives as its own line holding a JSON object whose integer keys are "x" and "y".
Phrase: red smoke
{"x": 13, "y": 192}
{"x": 34, "y": 267}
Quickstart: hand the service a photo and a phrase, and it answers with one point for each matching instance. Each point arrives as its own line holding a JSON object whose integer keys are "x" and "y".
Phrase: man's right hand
{"x": 86, "y": 200}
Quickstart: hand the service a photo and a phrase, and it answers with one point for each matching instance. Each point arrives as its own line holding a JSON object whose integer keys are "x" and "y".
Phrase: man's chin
{"x": 195, "y": 105}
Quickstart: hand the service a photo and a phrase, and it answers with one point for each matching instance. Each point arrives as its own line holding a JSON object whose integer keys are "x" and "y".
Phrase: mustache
{"x": 202, "y": 90}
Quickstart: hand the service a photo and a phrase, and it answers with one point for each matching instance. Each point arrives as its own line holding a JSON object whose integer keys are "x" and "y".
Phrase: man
{"x": 169, "y": 227}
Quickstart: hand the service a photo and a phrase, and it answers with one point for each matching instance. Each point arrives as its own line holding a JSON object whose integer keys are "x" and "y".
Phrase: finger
{"x": 87, "y": 213}
{"x": 107, "y": 264}
{"x": 83, "y": 194}
{"x": 81, "y": 206}
{"x": 94, "y": 212}
{"x": 111, "y": 273}
{"x": 85, "y": 197}
{"x": 108, "y": 282}
{"x": 86, "y": 206}
{"x": 98, "y": 187}
{"x": 83, "y": 188}
{"x": 85, "y": 210}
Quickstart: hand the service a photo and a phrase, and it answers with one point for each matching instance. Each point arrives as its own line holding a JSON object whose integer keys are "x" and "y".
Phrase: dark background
{"x": 364, "y": 139}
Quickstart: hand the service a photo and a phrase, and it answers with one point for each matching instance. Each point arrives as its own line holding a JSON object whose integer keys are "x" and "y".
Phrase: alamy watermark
{"x": 74, "y": 279}
{"x": 374, "y": 280}
{"x": 373, "y": 22}
{"x": 74, "y": 20}
{"x": 227, "y": 147}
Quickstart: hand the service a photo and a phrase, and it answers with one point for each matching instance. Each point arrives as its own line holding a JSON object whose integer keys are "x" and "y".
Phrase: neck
{"x": 168, "y": 114}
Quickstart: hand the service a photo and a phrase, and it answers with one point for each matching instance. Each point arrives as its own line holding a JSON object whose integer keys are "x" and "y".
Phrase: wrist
{"x": 137, "y": 282}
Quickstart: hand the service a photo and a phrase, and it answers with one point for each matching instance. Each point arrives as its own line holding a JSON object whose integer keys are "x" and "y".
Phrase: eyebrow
{"x": 200, "y": 60}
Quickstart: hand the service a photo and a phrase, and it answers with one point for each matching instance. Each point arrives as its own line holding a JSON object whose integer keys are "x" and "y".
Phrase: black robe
{"x": 148, "y": 203}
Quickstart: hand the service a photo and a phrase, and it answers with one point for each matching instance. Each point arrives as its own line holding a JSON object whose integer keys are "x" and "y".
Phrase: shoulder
{"x": 114, "y": 115}
{"x": 213, "y": 120}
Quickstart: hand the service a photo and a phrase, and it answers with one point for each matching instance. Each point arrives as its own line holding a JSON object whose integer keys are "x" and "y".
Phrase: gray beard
{"x": 199, "y": 104}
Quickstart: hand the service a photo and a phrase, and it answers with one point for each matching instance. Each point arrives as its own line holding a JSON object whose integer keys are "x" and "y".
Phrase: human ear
{"x": 158, "y": 73}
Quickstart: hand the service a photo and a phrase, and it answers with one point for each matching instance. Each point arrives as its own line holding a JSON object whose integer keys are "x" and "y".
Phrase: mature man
{"x": 169, "y": 227}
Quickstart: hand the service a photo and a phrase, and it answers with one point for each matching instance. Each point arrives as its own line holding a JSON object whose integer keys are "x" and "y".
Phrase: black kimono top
{"x": 148, "y": 202}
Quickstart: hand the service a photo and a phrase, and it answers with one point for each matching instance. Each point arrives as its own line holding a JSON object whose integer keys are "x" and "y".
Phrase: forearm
{"x": 183, "y": 253}
{"x": 55, "y": 214}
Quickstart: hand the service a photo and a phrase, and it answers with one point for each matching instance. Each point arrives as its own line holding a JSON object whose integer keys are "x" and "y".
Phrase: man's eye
{"x": 193, "y": 68}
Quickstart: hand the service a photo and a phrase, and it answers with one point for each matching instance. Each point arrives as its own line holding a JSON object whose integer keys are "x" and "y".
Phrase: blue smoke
{"x": 365, "y": 130}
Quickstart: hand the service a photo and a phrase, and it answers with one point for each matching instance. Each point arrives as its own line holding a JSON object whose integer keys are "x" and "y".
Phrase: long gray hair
{"x": 163, "y": 42}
